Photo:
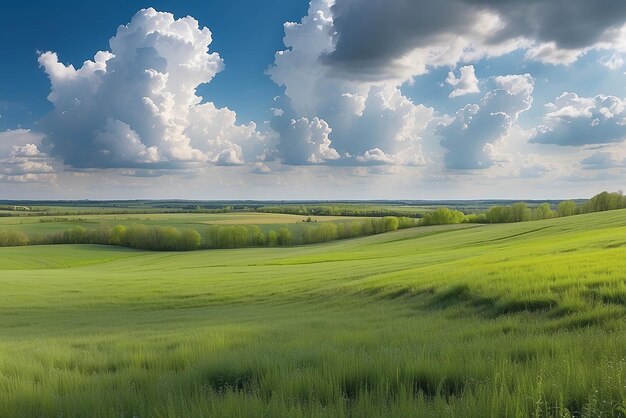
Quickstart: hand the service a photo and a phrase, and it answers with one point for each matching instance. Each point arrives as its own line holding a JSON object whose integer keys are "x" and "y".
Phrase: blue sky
{"x": 354, "y": 99}
{"x": 246, "y": 41}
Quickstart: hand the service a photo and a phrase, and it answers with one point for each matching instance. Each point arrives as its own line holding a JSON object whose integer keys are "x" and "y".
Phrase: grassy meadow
{"x": 525, "y": 319}
{"x": 34, "y": 225}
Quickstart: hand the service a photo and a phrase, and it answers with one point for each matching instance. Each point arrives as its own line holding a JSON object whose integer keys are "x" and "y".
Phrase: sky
{"x": 320, "y": 99}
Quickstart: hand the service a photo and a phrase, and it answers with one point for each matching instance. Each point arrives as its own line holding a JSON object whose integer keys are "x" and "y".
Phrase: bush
{"x": 443, "y": 216}
{"x": 13, "y": 239}
{"x": 406, "y": 222}
{"x": 390, "y": 223}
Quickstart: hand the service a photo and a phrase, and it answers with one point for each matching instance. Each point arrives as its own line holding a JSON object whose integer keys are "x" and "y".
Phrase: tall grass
{"x": 498, "y": 320}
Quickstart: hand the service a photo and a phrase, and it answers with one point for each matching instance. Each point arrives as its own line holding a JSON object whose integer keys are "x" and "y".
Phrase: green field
{"x": 33, "y": 225}
{"x": 525, "y": 319}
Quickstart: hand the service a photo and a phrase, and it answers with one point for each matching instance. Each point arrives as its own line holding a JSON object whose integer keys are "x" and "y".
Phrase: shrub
{"x": 13, "y": 239}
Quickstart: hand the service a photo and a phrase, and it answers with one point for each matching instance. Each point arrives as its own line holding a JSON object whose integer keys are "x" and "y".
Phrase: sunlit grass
{"x": 494, "y": 320}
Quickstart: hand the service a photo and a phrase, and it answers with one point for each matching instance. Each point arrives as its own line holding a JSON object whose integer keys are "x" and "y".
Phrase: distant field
{"x": 525, "y": 319}
{"x": 198, "y": 221}
{"x": 415, "y": 208}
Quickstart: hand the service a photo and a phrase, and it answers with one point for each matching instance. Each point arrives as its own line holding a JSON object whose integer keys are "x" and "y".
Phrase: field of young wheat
{"x": 525, "y": 319}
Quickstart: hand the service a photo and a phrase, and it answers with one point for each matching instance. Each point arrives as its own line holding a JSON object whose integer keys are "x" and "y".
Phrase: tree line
{"x": 168, "y": 238}
{"x": 154, "y": 238}
{"x": 337, "y": 210}
{"x": 521, "y": 212}
{"x": 238, "y": 236}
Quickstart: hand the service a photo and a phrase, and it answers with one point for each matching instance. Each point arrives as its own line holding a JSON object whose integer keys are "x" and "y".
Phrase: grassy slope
{"x": 482, "y": 321}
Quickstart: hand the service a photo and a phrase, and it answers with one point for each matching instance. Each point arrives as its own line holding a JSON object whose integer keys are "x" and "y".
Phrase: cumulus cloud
{"x": 573, "y": 120}
{"x": 473, "y": 136}
{"x": 378, "y": 39}
{"x": 135, "y": 106}
{"x": 466, "y": 83}
{"x": 304, "y": 141}
{"x": 21, "y": 161}
{"x": 20, "y": 137}
{"x": 362, "y": 116}
{"x": 613, "y": 62}
{"x": 389, "y": 122}
{"x": 376, "y": 156}
{"x": 260, "y": 168}
{"x": 550, "y": 53}
{"x": 601, "y": 160}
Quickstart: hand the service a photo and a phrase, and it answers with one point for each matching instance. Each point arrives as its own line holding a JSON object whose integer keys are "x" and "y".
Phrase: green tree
{"x": 443, "y": 216}
{"x": 499, "y": 214}
{"x": 566, "y": 208}
{"x": 284, "y": 236}
{"x": 211, "y": 237}
{"x": 356, "y": 228}
{"x": 367, "y": 227}
{"x": 170, "y": 238}
{"x": 405, "y": 222}
{"x": 605, "y": 201}
{"x": 137, "y": 236}
{"x": 543, "y": 211}
{"x": 272, "y": 238}
{"x": 520, "y": 212}
{"x": 254, "y": 233}
{"x": 327, "y": 231}
{"x": 190, "y": 239}
{"x": 76, "y": 235}
{"x": 390, "y": 223}
{"x": 378, "y": 225}
{"x": 342, "y": 231}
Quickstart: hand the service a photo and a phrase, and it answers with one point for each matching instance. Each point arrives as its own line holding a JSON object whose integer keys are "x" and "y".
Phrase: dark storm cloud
{"x": 570, "y": 24}
{"x": 371, "y": 34}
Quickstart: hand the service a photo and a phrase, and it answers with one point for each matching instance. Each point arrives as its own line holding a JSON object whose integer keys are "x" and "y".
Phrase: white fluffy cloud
{"x": 368, "y": 122}
{"x": 573, "y": 120}
{"x": 466, "y": 83}
{"x": 305, "y": 141}
{"x": 473, "y": 137}
{"x": 135, "y": 106}
{"x": 349, "y": 75}
{"x": 21, "y": 161}
{"x": 613, "y": 62}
